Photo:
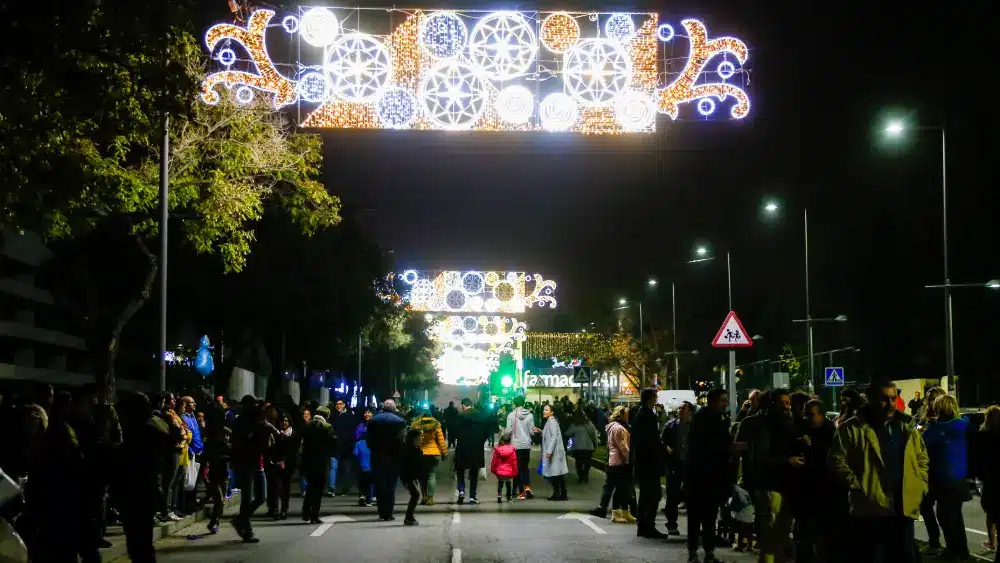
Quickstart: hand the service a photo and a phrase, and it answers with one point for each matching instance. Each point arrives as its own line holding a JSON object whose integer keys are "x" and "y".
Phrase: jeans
{"x": 618, "y": 482}
{"x": 429, "y": 482}
{"x": 702, "y": 513}
{"x": 473, "y": 481}
{"x": 312, "y": 497}
{"x": 169, "y": 478}
{"x": 332, "y": 479}
{"x": 774, "y": 512}
{"x": 558, "y": 486}
{"x": 253, "y": 487}
{"x": 218, "y": 479}
{"x": 414, "y": 488}
{"x": 386, "y": 474}
{"x": 949, "y": 512}
{"x": 279, "y": 485}
{"x": 930, "y": 520}
{"x": 582, "y": 458}
{"x": 366, "y": 485}
{"x": 883, "y": 540}
{"x": 500, "y": 485}
{"x": 649, "y": 500}
{"x": 523, "y": 471}
{"x": 675, "y": 482}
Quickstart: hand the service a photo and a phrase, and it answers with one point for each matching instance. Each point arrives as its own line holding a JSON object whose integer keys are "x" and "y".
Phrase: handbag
{"x": 191, "y": 478}
{"x": 540, "y": 464}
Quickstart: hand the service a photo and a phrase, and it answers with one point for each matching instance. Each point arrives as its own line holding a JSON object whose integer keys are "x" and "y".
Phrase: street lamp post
{"x": 810, "y": 321}
{"x": 703, "y": 253}
{"x": 895, "y": 129}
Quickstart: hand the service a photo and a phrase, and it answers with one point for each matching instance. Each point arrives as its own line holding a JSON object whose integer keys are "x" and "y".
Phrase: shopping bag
{"x": 191, "y": 478}
{"x": 540, "y": 463}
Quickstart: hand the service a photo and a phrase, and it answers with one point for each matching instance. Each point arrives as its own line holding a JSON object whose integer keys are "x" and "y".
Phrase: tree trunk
{"x": 106, "y": 389}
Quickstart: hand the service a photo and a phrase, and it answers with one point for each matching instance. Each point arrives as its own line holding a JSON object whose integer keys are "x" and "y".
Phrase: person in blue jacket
{"x": 946, "y": 438}
{"x": 195, "y": 448}
{"x": 366, "y": 486}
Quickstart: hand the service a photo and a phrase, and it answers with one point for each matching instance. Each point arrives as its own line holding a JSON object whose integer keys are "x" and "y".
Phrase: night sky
{"x": 601, "y": 215}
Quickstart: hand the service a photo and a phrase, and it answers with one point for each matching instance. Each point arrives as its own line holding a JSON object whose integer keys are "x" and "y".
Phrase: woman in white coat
{"x": 554, "y": 465}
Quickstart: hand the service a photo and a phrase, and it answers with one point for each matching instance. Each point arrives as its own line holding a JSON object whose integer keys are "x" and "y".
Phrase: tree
{"x": 79, "y": 140}
{"x": 792, "y": 365}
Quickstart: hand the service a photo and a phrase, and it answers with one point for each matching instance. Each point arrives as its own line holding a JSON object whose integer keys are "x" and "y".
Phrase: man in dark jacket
{"x": 776, "y": 467}
{"x": 319, "y": 444}
{"x": 650, "y": 464}
{"x": 676, "y": 439}
{"x": 709, "y": 479}
{"x": 471, "y": 430}
{"x": 344, "y": 424}
{"x": 448, "y": 418}
{"x": 815, "y": 487}
{"x": 385, "y": 438}
{"x": 252, "y": 437}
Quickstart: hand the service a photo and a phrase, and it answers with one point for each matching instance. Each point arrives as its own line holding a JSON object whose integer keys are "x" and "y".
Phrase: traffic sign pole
{"x": 733, "y": 402}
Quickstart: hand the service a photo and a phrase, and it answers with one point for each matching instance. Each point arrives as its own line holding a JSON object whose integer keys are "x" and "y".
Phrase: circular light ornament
{"x": 504, "y": 291}
{"x": 515, "y": 104}
{"x": 422, "y": 292}
{"x": 409, "y": 277}
{"x": 596, "y": 71}
{"x": 635, "y": 111}
{"x": 706, "y": 106}
{"x": 503, "y": 45}
{"x": 453, "y": 95}
{"x": 396, "y": 108}
{"x": 290, "y": 24}
{"x": 455, "y": 300}
{"x": 559, "y": 32}
{"x": 475, "y": 303}
{"x": 244, "y": 94}
{"x": 726, "y": 70}
{"x": 665, "y": 32}
{"x": 359, "y": 67}
{"x": 473, "y": 283}
{"x": 443, "y": 34}
{"x": 619, "y": 27}
{"x": 470, "y": 324}
{"x": 313, "y": 87}
{"x": 319, "y": 27}
{"x": 227, "y": 56}
{"x": 558, "y": 112}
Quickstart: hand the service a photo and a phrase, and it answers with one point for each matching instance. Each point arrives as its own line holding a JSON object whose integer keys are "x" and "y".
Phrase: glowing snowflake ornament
{"x": 596, "y": 71}
{"x": 396, "y": 109}
{"x": 313, "y": 87}
{"x": 227, "y": 56}
{"x": 558, "y": 112}
{"x": 619, "y": 27}
{"x": 515, "y": 104}
{"x": 454, "y": 95}
{"x": 635, "y": 111}
{"x": 319, "y": 27}
{"x": 443, "y": 34}
{"x": 706, "y": 106}
{"x": 503, "y": 45}
{"x": 244, "y": 94}
{"x": 359, "y": 67}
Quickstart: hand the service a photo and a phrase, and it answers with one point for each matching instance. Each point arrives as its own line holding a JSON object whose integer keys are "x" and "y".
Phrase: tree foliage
{"x": 791, "y": 364}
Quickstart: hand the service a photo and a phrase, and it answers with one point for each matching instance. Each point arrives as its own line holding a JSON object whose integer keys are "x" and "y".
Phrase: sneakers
{"x": 473, "y": 500}
{"x": 693, "y": 557}
{"x": 213, "y": 527}
{"x": 521, "y": 496}
{"x": 651, "y": 533}
{"x": 617, "y": 518}
{"x": 251, "y": 539}
{"x": 598, "y": 512}
{"x": 461, "y": 497}
{"x": 361, "y": 501}
{"x": 627, "y": 515}
{"x": 173, "y": 517}
{"x": 500, "y": 499}
{"x": 528, "y": 494}
{"x": 673, "y": 531}
{"x": 410, "y": 522}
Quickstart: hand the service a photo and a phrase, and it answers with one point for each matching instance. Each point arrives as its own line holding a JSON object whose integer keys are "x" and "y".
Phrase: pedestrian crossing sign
{"x": 834, "y": 377}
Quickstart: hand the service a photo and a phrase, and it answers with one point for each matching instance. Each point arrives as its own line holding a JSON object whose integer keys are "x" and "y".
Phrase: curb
{"x": 118, "y": 548}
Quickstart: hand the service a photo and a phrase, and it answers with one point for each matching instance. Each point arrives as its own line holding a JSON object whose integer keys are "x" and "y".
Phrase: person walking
{"x": 709, "y": 481}
{"x": 252, "y": 438}
{"x": 471, "y": 430}
{"x": 816, "y": 500}
{"x": 554, "y": 466}
{"x": 948, "y": 451}
{"x": 883, "y": 462}
{"x": 366, "y": 485}
{"x": 319, "y": 445}
{"x": 386, "y": 431}
{"x": 504, "y": 466}
{"x": 435, "y": 448}
{"x": 676, "y": 438}
{"x": 650, "y": 464}
{"x": 411, "y": 471}
{"x": 344, "y": 425}
{"x": 217, "y": 454}
{"x": 618, "y": 476}
{"x": 520, "y": 427}
{"x": 776, "y": 466}
{"x": 584, "y": 438}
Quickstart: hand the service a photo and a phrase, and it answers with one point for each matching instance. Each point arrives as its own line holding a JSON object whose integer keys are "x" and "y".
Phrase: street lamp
{"x": 652, "y": 282}
{"x": 895, "y": 129}
{"x": 810, "y": 321}
{"x": 702, "y": 251}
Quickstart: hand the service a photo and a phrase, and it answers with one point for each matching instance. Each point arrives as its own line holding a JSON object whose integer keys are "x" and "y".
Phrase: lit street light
{"x": 622, "y": 301}
{"x": 652, "y": 282}
{"x": 701, "y": 251}
{"x": 894, "y": 128}
{"x": 771, "y": 207}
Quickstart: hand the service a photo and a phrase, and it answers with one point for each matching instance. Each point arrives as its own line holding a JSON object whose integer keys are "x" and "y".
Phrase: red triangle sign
{"x": 732, "y": 334}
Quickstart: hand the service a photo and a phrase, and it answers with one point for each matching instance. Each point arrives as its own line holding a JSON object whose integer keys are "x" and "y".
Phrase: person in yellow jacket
{"x": 435, "y": 448}
{"x": 880, "y": 458}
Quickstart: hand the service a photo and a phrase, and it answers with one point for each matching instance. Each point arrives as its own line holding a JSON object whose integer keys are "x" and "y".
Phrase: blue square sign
{"x": 834, "y": 377}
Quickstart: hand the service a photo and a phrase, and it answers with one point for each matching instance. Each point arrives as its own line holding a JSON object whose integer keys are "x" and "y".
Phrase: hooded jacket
{"x": 618, "y": 444}
{"x": 504, "y": 463}
{"x": 431, "y": 436}
{"x": 520, "y": 424}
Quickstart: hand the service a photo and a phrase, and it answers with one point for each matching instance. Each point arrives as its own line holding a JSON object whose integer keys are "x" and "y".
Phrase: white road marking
{"x": 980, "y": 532}
{"x": 584, "y": 519}
{"x": 328, "y": 522}
{"x": 456, "y": 517}
{"x": 456, "y": 555}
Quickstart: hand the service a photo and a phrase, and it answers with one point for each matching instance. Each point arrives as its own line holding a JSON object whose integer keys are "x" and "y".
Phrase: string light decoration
{"x": 685, "y": 88}
{"x": 252, "y": 39}
{"x": 560, "y": 32}
{"x": 500, "y": 73}
{"x": 462, "y": 292}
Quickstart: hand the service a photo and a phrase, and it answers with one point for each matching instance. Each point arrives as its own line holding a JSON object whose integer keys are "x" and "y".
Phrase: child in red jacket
{"x": 504, "y": 465}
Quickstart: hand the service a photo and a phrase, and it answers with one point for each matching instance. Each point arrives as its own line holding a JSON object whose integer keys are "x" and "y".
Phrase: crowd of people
{"x": 780, "y": 478}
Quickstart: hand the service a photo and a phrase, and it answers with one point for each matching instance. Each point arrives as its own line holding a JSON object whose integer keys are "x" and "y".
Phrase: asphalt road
{"x": 975, "y": 527}
{"x": 521, "y": 531}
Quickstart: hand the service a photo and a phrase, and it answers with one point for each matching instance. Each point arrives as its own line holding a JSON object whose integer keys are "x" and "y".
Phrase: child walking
{"x": 504, "y": 466}
{"x": 411, "y": 471}
{"x": 366, "y": 485}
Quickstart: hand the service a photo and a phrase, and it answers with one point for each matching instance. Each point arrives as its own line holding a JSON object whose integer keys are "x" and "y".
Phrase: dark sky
{"x": 600, "y": 215}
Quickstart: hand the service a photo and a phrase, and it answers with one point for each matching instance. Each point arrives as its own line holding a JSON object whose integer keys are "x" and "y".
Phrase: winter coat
{"x": 709, "y": 471}
{"x": 363, "y": 455}
{"x": 344, "y": 425}
{"x": 773, "y": 444}
{"x": 319, "y": 443}
{"x": 857, "y": 463}
{"x": 650, "y": 455}
{"x": 191, "y": 421}
{"x": 361, "y": 429}
{"x": 386, "y": 431}
{"x": 432, "y": 440}
{"x": 584, "y": 437}
{"x": 472, "y": 428}
{"x": 552, "y": 443}
{"x": 618, "y": 444}
{"x": 411, "y": 463}
{"x": 948, "y": 448}
{"x": 504, "y": 463}
{"x": 520, "y": 426}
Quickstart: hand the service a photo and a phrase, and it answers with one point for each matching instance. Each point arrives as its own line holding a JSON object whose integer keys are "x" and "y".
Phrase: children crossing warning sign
{"x": 732, "y": 334}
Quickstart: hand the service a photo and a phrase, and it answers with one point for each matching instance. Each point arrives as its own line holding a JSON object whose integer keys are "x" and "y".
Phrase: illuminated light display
{"x": 597, "y": 70}
{"x": 443, "y": 34}
{"x": 313, "y": 87}
{"x": 600, "y": 66}
{"x": 515, "y": 104}
{"x": 619, "y": 27}
{"x": 453, "y": 95}
{"x": 686, "y": 87}
{"x": 503, "y": 45}
{"x": 635, "y": 111}
{"x": 706, "y": 106}
{"x": 244, "y": 95}
{"x": 558, "y": 112}
{"x": 560, "y": 32}
{"x": 319, "y": 27}
{"x": 252, "y": 39}
{"x": 396, "y": 108}
{"x": 477, "y": 292}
